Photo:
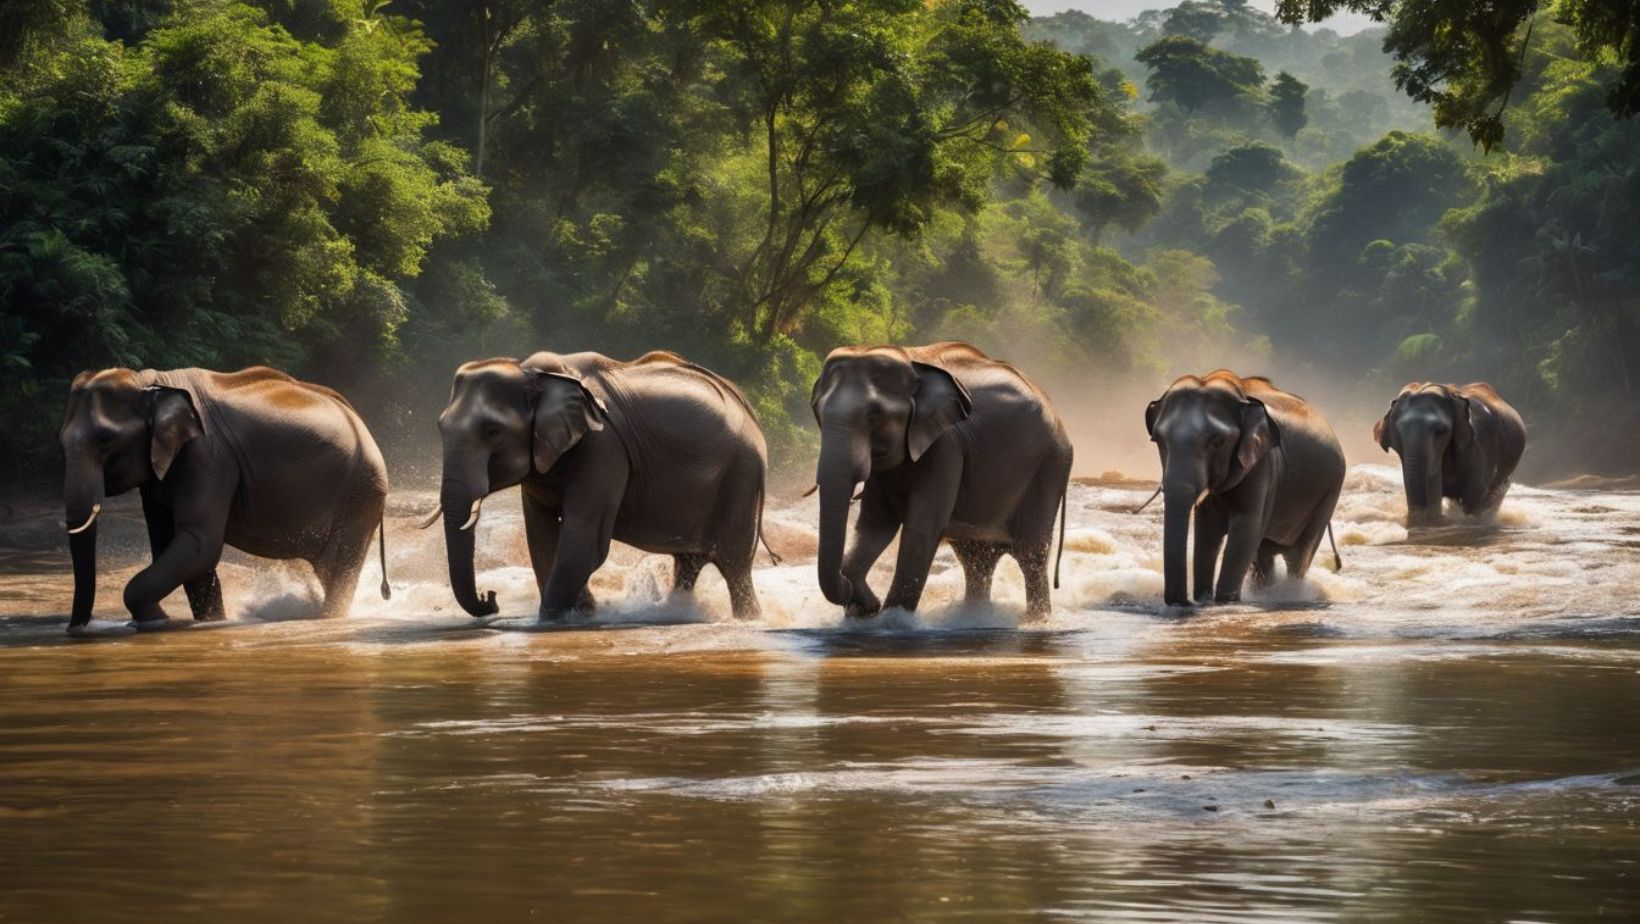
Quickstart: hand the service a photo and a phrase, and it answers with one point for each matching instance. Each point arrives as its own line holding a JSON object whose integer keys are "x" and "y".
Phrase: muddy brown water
{"x": 1447, "y": 730}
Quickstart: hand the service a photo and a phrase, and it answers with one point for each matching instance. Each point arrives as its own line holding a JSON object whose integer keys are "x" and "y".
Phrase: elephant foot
{"x": 210, "y": 616}
{"x": 151, "y": 623}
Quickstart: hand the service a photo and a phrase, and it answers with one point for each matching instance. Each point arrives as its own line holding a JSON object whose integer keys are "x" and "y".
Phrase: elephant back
{"x": 672, "y": 413}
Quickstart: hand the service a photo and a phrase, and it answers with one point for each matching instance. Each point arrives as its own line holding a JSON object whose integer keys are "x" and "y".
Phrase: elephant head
{"x": 1210, "y": 435}
{"x": 123, "y": 429}
{"x": 1428, "y": 426}
{"x": 877, "y": 409}
{"x": 504, "y": 422}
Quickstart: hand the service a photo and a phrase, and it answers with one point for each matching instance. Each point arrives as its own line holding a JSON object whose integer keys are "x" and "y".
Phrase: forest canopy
{"x": 367, "y": 193}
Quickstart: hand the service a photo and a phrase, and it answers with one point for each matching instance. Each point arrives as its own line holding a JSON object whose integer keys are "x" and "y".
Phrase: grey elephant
{"x": 949, "y": 444}
{"x": 253, "y": 459}
{"x": 1260, "y": 468}
{"x": 659, "y": 453}
{"x": 1461, "y": 443}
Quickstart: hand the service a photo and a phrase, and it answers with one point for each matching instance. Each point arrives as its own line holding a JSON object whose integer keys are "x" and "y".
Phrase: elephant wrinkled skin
{"x": 1461, "y": 443}
{"x": 1261, "y": 470}
{"x": 253, "y": 459}
{"x": 949, "y": 444}
{"x": 658, "y": 453}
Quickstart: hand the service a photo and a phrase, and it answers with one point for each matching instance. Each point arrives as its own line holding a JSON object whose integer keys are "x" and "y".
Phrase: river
{"x": 1446, "y": 730}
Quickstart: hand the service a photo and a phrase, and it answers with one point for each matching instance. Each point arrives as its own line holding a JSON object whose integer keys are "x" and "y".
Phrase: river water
{"x": 1446, "y": 730}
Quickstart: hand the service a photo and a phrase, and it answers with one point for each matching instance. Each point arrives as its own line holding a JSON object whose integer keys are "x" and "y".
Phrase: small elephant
{"x": 950, "y": 444}
{"x": 1260, "y": 467}
{"x": 254, "y": 459}
{"x": 1461, "y": 443}
{"x": 658, "y": 453}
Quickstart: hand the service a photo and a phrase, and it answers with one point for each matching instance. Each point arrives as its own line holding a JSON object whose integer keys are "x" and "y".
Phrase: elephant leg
{"x": 1033, "y": 564}
{"x": 1302, "y": 555}
{"x": 979, "y": 565}
{"x": 1212, "y": 523}
{"x": 872, "y": 533}
{"x": 541, "y": 526}
{"x": 1246, "y": 532}
{"x": 338, "y": 572}
{"x": 686, "y": 570}
{"x": 583, "y": 545}
{"x": 191, "y": 554}
{"x": 742, "y": 593}
{"x": 204, "y": 592}
{"x": 927, "y": 513}
{"x": 1264, "y": 564}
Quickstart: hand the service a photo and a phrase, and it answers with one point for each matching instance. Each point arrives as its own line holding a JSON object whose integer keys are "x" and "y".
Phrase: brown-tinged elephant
{"x": 950, "y": 444}
{"x": 659, "y": 453}
{"x": 1260, "y": 468}
{"x": 253, "y": 459}
{"x": 1461, "y": 443}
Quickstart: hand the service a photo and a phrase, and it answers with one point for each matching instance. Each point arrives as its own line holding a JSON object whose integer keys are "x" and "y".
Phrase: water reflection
{"x": 1444, "y": 731}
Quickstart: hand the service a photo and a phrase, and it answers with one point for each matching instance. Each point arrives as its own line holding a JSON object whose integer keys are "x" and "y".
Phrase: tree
{"x": 1286, "y": 104}
{"x": 1464, "y": 58}
{"x": 220, "y": 194}
{"x": 1194, "y": 76}
{"x": 1194, "y": 19}
{"x": 873, "y": 115}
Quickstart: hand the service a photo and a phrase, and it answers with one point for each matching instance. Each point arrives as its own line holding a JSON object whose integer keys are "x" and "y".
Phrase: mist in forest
{"x": 368, "y": 195}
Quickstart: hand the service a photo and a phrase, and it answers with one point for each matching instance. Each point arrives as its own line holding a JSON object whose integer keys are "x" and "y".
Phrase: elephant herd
{"x": 934, "y": 443}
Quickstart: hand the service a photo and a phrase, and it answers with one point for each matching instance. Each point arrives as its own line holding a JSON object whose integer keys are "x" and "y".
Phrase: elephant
{"x": 253, "y": 459}
{"x": 950, "y": 444}
{"x": 659, "y": 453}
{"x": 1262, "y": 471}
{"x": 1461, "y": 443}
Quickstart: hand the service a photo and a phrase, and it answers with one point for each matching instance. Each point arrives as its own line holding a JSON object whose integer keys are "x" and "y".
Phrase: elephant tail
{"x": 760, "y": 537}
{"x": 381, "y": 546}
{"x": 1064, "y": 508}
{"x": 1338, "y": 563}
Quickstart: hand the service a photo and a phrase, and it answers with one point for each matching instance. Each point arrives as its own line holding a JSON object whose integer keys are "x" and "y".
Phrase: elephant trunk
{"x": 1421, "y": 475}
{"x": 459, "y": 503}
{"x": 82, "y": 501}
{"x": 1181, "y": 488}
{"x": 844, "y": 462}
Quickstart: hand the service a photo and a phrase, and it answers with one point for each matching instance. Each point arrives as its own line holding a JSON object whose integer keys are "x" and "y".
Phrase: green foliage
{"x": 1465, "y": 58}
{"x": 1194, "y": 75}
{"x": 370, "y": 194}
{"x": 221, "y": 193}
{"x": 1286, "y": 104}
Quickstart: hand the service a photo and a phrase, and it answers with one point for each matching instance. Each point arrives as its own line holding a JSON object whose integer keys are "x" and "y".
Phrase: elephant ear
{"x": 1152, "y": 410}
{"x": 814, "y": 393}
{"x": 564, "y": 411}
{"x": 1259, "y": 435}
{"x": 1381, "y": 429}
{"x": 938, "y": 404}
{"x": 172, "y": 422}
{"x": 1463, "y": 422}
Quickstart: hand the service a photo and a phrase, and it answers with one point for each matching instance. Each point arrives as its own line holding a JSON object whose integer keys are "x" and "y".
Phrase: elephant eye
{"x": 492, "y": 432}
{"x": 874, "y": 418}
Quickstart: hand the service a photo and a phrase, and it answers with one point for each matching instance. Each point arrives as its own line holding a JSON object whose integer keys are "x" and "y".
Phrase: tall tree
{"x": 1286, "y": 104}
{"x": 1464, "y": 58}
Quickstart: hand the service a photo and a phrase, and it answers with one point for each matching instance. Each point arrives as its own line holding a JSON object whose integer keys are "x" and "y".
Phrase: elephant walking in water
{"x": 252, "y": 459}
{"x": 950, "y": 444}
{"x": 658, "y": 453}
{"x": 1461, "y": 443}
{"x": 1259, "y": 467}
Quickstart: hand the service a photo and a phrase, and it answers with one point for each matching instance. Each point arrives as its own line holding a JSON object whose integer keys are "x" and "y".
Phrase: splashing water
{"x": 1448, "y": 728}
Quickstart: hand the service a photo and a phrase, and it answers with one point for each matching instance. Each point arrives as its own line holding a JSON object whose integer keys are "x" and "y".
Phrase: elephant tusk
{"x": 812, "y": 488}
{"x": 95, "y": 509}
{"x": 472, "y": 518}
{"x": 859, "y": 495}
{"x": 431, "y": 518}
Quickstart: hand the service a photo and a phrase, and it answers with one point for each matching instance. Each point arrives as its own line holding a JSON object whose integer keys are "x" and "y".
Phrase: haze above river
{"x": 1448, "y": 729}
